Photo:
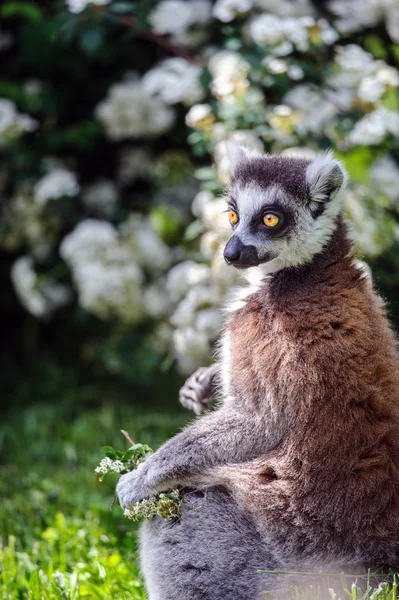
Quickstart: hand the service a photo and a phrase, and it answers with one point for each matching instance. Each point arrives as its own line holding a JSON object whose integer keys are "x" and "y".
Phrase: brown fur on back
{"x": 317, "y": 343}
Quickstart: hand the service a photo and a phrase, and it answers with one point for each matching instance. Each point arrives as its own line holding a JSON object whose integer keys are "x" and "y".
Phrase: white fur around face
{"x": 255, "y": 277}
{"x": 224, "y": 358}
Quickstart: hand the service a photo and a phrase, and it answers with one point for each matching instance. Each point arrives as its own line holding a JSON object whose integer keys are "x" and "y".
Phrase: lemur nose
{"x": 231, "y": 255}
{"x": 240, "y": 255}
{"x": 232, "y": 251}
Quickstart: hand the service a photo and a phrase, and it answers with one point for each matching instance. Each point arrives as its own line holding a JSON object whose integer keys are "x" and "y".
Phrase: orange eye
{"x": 233, "y": 217}
{"x": 271, "y": 220}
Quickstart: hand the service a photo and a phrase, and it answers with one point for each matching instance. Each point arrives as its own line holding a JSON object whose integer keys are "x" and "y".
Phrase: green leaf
{"x": 109, "y": 451}
{"x": 91, "y": 40}
{"x": 205, "y": 173}
{"x": 26, "y": 10}
{"x": 122, "y": 7}
{"x": 193, "y": 231}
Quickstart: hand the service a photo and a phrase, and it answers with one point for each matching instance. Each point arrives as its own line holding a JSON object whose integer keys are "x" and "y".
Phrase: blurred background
{"x": 112, "y": 169}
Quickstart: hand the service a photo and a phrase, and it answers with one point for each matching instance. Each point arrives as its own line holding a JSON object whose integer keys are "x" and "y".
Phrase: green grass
{"x": 58, "y": 538}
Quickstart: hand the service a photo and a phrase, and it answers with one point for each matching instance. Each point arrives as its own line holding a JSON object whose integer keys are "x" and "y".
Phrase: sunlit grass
{"x": 58, "y": 538}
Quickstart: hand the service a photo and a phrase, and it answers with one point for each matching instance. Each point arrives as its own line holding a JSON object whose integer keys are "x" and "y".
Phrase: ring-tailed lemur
{"x": 298, "y": 468}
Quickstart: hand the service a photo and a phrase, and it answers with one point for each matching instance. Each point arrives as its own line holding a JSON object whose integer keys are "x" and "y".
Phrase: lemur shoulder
{"x": 305, "y": 441}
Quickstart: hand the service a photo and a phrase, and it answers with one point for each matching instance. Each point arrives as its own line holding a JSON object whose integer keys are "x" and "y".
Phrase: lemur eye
{"x": 233, "y": 217}
{"x": 271, "y": 220}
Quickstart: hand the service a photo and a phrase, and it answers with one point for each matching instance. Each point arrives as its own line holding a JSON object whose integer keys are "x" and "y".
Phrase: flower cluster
{"x": 129, "y": 111}
{"x": 117, "y": 205}
{"x": 109, "y": 466}
{"x": 12, "y": 122}
{"x": 164, "y": 505}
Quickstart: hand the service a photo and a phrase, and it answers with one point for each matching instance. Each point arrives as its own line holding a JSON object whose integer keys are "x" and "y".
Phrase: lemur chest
{"x": 257, "y": 354}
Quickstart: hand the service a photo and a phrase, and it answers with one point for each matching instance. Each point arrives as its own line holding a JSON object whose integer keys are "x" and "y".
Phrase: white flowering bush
{"x": 113, "y": 163}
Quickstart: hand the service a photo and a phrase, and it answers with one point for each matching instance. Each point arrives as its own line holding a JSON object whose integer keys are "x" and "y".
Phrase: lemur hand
{"x": 155, "y": 475}
{"x": 138, "y": 484}
{"x": 199, "y": 388}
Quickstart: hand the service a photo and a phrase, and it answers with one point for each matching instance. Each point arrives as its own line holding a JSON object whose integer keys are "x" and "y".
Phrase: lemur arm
{"x": 200, "y": 388}
{"x": 220, "y": 437}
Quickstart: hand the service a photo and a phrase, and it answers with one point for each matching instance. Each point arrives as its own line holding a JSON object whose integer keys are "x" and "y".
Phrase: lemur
{"x": 298, "y": 467}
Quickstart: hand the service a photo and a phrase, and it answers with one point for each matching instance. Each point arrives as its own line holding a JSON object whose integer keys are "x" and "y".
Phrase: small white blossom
{"x": 174, "y": 80}
{"x": 13, "y": 123}
{"x": 384, "y": 176}
{"x": 192, "y": 349}
{"x": 226, "y": 10}
{"x": 312, "y": 107}
{"x": 40, "y": 296}
{"x": 184, "y": 276}
{"x": 362, "y": 14}
{"x": 135, "y": 163}
{"x": 149, "y": 250}
{"x": 271, "y": 30}
{"x": 130, "y": 112}
{"x": 374, "y": 127}
{"x": 77, "y": 6}
{"x": 6, "y": 40}
{"x": 56, "y": 184}
{"x": 198, "y": 114}
{"x": 286, "y": 8}
{"x": 101, "y": 197}
{"x": 176, "y": 16}
{"x": 229, "y": 73}
{"x": 105, "y": 270}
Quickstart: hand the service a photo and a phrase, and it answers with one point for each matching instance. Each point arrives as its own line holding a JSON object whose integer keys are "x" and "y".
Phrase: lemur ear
{"x": 237, "y": 154}
{"x": 325, "y": 176}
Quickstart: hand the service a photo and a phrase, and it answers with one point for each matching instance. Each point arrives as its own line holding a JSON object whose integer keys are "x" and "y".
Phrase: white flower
{"x": 286, "y": 8}
{"x": 373, "y": 86}
{"x": 353, "y": 58}
{"x": 56, "y": 184}
{"x": 268, "y": 29}
{"x": 89, "y": 238}
{"x": 6, "y": 40}
{"x": 374, "y": 127}
{"x": 175, "y": 80}
{"x": 13, "y": 123}
{"x": 199, "y": 114}
{"x": 176, "y": 16}
{"x": 184, "y": 276}
{"x": 77, "y": 6}
{"x": 384, "y": 176}
{"x": 130, "y": 112}
{"x": 226, "y": 10}
{"x": 271, "y": 30}
{"x": 149, "y": 250}
{"x": 135, "y": 163}
{"x": 229, "y": 72}
{"x": 192, "y": 349}
{"x": 156, "y": 300}
{"x": 104, "y": 268}
{"x": 40, "y": 297}
{"x": 209, "y": 321}
{"x": 362, "y": 14}
{"x": 313, "y": 109}
{"x": 101, "y": 197}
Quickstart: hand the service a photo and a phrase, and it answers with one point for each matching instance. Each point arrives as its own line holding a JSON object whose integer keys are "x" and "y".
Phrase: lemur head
{"x": 283, "y": 210}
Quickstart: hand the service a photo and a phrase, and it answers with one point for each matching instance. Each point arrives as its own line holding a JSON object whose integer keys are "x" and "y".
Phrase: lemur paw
{"x": 134, "y": 486}
{"x": 194, "y": 393}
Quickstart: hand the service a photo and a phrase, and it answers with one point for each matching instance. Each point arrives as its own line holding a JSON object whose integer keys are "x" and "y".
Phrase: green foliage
{"x": 59, "y": 539}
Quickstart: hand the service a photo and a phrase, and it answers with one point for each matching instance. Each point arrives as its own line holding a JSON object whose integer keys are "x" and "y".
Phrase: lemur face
{"x": 282, "y": 210}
